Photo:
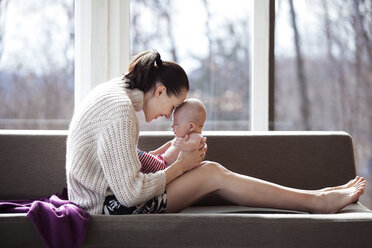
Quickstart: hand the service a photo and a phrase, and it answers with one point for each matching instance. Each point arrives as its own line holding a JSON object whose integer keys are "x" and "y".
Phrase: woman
{"x": 103, "y": 170}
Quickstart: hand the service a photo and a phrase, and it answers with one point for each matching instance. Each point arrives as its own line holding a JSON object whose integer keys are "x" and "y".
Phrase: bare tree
{"x": 166, "y": 14}
{"x": 305, "y": 110}
{"x": 210, "y": 67}
{"x": 361, "y": 31}
{"x": 3, "y": 12}
{"x": 43, "y": 99}
{"x": 163, "y": 15}
{"x": 335, "y": 68}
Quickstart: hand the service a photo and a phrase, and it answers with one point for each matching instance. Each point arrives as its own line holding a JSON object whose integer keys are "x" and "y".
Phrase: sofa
{"x": 32, "y": 165}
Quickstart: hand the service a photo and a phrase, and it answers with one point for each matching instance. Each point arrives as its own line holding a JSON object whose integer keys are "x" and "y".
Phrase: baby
{"x": 188, "y": 122}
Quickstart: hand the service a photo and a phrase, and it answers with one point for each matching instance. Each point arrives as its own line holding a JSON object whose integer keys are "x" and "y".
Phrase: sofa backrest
{"x": 32, "y": 163}
{"x": 305, "y": 160}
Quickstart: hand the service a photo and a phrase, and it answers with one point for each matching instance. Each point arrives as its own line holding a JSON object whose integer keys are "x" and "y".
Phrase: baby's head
{"x": 189, "y": 117}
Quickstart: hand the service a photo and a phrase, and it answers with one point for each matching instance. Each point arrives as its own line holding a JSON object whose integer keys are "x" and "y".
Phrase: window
{"x": 323, "y": 72}
{"x": 211, "y": 41}
{"x": 36, "y": 64}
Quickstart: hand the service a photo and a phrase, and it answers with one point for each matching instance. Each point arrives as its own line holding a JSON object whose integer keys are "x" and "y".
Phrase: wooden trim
{"x": 272, "y": 67}
{"x": 101, "y": 43}
{"x": 260, "y": 66}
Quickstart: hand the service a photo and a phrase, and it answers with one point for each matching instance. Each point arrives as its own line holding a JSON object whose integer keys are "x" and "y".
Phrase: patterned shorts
{"x": 156, "y": 205}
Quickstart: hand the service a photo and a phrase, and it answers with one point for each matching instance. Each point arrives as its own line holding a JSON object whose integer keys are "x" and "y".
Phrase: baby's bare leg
{"x": 248, "y": 191}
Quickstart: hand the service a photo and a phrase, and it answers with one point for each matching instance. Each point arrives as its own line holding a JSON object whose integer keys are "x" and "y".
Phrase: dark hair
{"x": 147, "y": 69}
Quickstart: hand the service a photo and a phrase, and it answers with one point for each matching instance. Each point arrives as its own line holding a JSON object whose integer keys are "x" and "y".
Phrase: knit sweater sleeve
{"x": 121, "y": 167}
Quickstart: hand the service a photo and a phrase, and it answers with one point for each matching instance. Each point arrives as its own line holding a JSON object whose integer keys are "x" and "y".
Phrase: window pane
{"x": 323, "y": 75}
{"x": 211, "y": 41}
{"x": 37, "y": 64}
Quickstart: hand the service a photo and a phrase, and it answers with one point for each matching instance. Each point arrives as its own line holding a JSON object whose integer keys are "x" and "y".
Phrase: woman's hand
{"x": 193, "y": 159}
{"x": 203, "y": 147}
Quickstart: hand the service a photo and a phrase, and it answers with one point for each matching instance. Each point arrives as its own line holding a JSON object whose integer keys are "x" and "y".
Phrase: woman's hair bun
{"x": 158, "y": 61}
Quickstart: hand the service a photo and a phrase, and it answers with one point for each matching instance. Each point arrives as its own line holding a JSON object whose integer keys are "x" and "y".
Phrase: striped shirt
{"x": 151, "y": 163}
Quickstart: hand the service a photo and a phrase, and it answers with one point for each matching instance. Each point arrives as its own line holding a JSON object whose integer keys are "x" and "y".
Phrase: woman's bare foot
{"x": 332, "y": 200}
{"x": 347, "y": 185}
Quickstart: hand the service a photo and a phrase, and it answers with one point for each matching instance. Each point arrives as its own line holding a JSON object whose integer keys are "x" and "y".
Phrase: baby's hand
{"x": 152, "y": 153}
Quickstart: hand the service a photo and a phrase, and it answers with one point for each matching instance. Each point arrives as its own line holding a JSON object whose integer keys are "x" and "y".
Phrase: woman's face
{"x": 157, "y": 103}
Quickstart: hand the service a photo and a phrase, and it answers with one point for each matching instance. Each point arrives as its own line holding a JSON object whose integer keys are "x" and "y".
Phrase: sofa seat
{"x": 235, "y": 226}
{"x": 212, "y": 226}
{"x": 229, "y": 226}
{"x": 226, "y": 209}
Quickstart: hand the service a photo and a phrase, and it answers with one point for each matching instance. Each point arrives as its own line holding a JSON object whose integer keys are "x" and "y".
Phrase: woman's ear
{"x": 160, "y": 89}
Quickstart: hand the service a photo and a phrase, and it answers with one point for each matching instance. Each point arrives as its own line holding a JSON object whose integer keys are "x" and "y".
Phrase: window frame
{"x": 102, "y": 51}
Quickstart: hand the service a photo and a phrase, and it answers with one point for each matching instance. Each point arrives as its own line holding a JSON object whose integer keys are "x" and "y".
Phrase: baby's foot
{"x": 332, "y": 200}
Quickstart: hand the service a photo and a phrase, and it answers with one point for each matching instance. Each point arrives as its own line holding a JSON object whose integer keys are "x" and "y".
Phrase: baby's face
{"x": 180, "y": 124}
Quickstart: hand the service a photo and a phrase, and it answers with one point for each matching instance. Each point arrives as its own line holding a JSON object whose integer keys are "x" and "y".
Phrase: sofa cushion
{"x": 17, "y": 230}
{"x": 32, "y": 164}
{"x": 226, "y": 209}
{"x": 231, "y": 230}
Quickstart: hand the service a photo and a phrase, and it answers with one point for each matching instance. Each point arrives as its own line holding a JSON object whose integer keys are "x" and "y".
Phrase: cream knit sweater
{"x": 101, "y": 156}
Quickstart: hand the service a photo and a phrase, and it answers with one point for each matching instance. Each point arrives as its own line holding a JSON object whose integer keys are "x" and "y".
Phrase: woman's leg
{"x": 248, "y": 191}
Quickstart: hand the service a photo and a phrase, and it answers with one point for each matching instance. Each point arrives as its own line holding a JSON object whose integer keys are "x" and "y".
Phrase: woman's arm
{"x": 161, "y": 149}
{"x": 119, "y": 161}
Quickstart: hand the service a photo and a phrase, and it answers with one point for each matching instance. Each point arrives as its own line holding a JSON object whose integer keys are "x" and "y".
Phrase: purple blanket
{"x": 59, "y": 222}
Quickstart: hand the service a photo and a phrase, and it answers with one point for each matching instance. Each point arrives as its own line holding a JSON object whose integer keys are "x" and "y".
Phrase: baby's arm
{"x": 161, "y": 149}
{"x": 192, "y": 142}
